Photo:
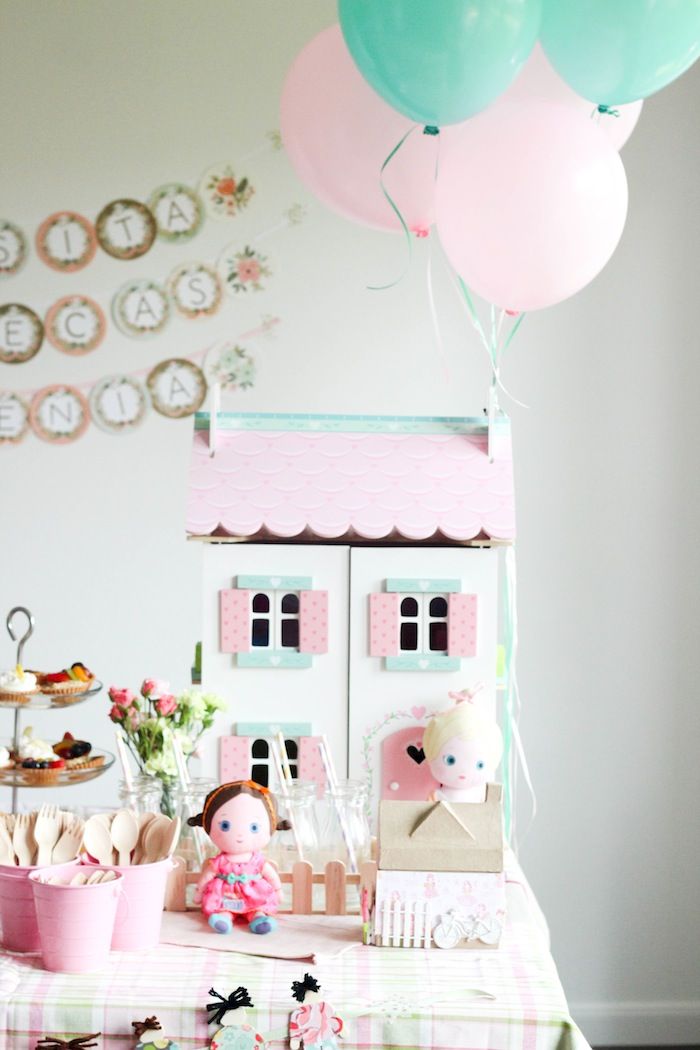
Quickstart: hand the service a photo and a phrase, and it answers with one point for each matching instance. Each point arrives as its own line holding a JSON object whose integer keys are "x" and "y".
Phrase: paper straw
{"x": 284, "y": 756}
{"x": 123, "y": 759}
{"x": 285, "y": 794}
{"x": 184, "y": 778}
{"x": 326, "y": 762}
{"x": 333, "y": 779}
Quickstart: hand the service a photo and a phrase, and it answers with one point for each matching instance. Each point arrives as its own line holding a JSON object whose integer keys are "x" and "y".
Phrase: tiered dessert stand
{"x": 17, "y": 777}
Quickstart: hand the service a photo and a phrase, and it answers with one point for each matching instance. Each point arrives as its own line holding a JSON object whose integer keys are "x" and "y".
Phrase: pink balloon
{"x": 530, "y": 204}
{"x": 338, "y": 132}
{"x": 539, "y": 79}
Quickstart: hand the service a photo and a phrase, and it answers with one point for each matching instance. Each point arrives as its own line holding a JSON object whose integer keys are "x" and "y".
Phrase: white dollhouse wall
{"x": 345, "y": 691}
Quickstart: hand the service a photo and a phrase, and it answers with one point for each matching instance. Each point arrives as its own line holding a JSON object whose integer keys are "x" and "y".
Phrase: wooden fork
{"x": 46, "y": 832}
{"x": 23, "y": 840}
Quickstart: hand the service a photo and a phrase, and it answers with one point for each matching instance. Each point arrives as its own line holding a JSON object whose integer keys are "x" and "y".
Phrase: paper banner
{"x": 195, "y": 289}
{"x": 59, "y": 414}
{"x": 230, "y": 366}
{"x": 75, "y": 324}
{"x": 14, "y": 418}
{"x": 125, "y": 229}
{"x": 224, "y": 192}
{"x": 118, "y": 404}
{"x": 141, "y": 308}
{"x": 13, "y": 248}
{"x": 178, "y": 211}
{"x": 177, "y": 387}
{"x": 66, "y": 241}
{"x": 243, "y": 269}
{"x": 21, "y": 333}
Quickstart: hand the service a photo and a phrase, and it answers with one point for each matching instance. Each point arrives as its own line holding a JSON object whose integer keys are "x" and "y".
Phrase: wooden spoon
{"x": 145, "y": 819}
{"x": 157, "y": 832}
{"x": 170, "y": 838}
{"x": 98, "y": 841}
{"x": 125, "y": 834}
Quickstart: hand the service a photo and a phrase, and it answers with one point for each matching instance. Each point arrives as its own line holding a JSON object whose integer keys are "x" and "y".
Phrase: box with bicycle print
{"x": 440, "y": 882}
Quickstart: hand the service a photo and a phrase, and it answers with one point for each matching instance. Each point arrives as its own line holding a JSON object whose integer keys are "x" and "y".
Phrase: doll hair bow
{"x": 81, "y": 1042}
{"x": 466, "y": 694}
{"x": 151, "y": 1024}
{"x": 217, "y": 1011}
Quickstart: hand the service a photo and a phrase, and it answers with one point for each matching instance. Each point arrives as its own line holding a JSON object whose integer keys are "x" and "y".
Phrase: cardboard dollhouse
{"x": 350, "y": 579}
{"x": 440, "y": 881}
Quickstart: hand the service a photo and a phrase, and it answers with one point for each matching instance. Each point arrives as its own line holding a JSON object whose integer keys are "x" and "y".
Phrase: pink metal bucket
{"x": 75, "y": 922}
{"x": 140, "y": 911}
{"x": 20, "y": 932}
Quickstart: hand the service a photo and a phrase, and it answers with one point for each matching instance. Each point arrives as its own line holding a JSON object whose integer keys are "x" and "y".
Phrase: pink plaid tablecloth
{"x": 504, "y": 999}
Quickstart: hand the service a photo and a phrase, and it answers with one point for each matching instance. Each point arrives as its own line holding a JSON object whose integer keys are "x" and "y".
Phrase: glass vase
{"x": 301, "y": 843}
{"x": 346, "y": 823}
{"x": 144, "y": 795}
{"x": 194, "y": 845}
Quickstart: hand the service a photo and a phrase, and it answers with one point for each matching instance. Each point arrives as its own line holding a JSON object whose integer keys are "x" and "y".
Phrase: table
{"x": 509, "y": 998}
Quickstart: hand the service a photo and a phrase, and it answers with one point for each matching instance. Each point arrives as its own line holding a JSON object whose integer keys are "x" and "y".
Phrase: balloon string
{"x": 397, "y": 212}
{"x": 434, "y": 318}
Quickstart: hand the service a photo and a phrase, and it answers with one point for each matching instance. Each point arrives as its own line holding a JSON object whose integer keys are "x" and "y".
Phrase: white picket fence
{"x": 403, "y": 924}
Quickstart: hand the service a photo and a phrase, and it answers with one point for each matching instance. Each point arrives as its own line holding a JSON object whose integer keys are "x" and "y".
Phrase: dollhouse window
{"x": 261, "y": 760}
{"x": 274, "y": 622}
{"x": 423, "y": 623}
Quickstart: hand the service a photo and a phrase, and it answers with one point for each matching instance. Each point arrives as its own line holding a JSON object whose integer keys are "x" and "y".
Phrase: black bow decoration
{"x": 234, "y": 1001}
{"x": 300, "y": 988}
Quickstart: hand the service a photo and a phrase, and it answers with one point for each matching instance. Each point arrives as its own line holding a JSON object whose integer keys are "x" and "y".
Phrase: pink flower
{"x": 249, "y": 270}
{"x": 121, "y": 696}
{"x": 132, "y": 718}
{"x": 152, "y": 688}
{"x": 117, "y": 713}
{"x": 167, "y": 705}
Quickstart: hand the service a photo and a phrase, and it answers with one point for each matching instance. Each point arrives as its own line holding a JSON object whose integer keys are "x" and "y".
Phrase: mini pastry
{"x": 74, "y": 679}
{"x": 17, "y": 686}
{"x": 6, "y": 761}
{"x": 36, "y": 760}
{"x": 76, "y": 753}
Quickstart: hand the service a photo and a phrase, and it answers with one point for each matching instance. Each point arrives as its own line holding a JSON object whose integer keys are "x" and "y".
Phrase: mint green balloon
{"x": 617, "y": 51}
{"x": 439, "y": 61}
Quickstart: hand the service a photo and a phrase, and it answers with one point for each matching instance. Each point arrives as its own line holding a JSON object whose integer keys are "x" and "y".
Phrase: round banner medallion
{"x": 224, "y": 192}
{"x": 141, "y": 308}
{"x": 229, "y": 365}
{"x": 75, "y": 324}
{"x": 243, "y": 269}
{"x": 178, "y": 211}
{"x": 118, "y": 403}
{"x": 13, "y": 248}
{"x": 177, "y": 387}
{"x": 21, "y": 333}
{"x": 59, "y": 414}
{"x": 66, "y": 241}
{"x": 195, "y": 289}
{"x": 14, "y": 417}
{"x": 125, "y": 229}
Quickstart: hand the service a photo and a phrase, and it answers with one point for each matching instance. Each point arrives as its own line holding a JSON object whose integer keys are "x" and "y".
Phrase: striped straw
{"x": 332, "y": 781}
{"x": 284, "y": 791}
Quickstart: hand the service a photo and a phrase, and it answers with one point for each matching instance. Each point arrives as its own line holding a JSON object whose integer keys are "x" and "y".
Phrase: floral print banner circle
{"x": 243, "y": 269}
{"x": 118, "y": 403}
{"x": 126, "y": 229}
{"x": 141, "y": 308}
{"x": 75, "y": 324}
{"x": 14, "y": 418}
{"x": 178, "y": 211}
{"x": 231, "y": 366}
{"x": 195, "y": 289}
{"x": 21, "y": 333}
{"x": 177, "y": 387}
{"x": 224, "y": 193}
{"x": 66, "y": 241}
{"x": 59, "y": 414}
{"x": 13, "y": 248}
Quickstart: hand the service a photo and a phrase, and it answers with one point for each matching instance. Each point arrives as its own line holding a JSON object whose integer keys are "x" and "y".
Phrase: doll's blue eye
{"x": 225, "y": 825}
{"x": 449, "y": 760}
{"x": 255, "y": 828}
{"x": 479, "y": 764}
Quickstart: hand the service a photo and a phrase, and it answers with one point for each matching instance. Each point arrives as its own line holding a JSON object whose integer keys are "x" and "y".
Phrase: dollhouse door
{"x": 404, "y": 776}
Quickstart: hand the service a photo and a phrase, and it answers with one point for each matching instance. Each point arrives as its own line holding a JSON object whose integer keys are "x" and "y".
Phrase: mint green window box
{"x": 423, "y": 662}
{"x": 284, "y": 658}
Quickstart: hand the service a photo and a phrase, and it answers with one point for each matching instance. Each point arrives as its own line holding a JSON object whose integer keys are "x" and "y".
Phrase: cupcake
{"x": 17, "y": 686}
{"x": 68, "y": 682}
{"x": 36, "y": 760}
{"x": 77, "y": 754}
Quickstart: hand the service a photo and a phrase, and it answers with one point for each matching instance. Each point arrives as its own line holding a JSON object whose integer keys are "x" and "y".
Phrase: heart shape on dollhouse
{"x": 416, "y": 753}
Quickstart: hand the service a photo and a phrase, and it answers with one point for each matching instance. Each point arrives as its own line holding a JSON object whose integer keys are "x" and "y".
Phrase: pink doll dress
{"x": 316, "y": 1025}
{"x": 239, "y": 887}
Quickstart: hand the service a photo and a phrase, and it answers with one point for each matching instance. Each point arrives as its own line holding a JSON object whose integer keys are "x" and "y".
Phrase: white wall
{"x": 104, "y": 100}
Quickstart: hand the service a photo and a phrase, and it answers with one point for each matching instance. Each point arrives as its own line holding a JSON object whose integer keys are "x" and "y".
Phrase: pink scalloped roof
{"x": 322, "y": 481}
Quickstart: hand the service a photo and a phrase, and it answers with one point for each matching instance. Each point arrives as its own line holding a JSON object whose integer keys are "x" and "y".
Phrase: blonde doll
{"x": 462, "y": 747}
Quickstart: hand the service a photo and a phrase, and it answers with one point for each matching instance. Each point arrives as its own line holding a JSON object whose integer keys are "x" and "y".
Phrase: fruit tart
{"x": 17, "y": 686}
{"x": 68, "y": 682}
{"x": 36, "y": 760}
{"x": 77, "y": 754}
